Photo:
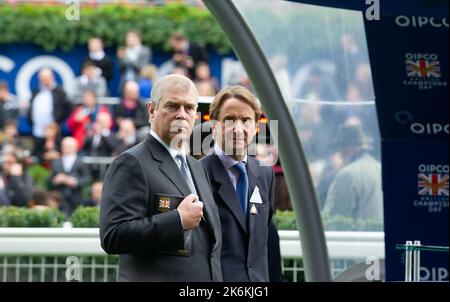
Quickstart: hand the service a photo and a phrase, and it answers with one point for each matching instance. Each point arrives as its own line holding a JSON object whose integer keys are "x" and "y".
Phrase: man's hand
{"x": 59, "y": 178}
{"x": 190, "y": 212}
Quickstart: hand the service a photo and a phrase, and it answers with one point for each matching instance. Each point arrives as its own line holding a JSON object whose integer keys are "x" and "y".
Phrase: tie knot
{"x": 240, "y": 166}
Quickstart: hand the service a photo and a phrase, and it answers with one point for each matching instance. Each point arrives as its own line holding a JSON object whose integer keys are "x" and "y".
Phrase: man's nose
{"x": 181, "y": 113}
{"x": 239, "y": 127}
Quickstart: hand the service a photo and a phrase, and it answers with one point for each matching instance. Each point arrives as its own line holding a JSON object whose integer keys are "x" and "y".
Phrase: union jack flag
{"x": 423, "y": 69}
{"x": 433, "y": 184}
{"x": 164, "y": 203}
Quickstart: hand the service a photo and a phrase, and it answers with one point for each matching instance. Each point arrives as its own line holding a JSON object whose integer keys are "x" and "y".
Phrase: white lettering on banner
{"x": 28, "y": 69}
{"x": 6, "y": 64}
{"x": 428, "y": 128}
{"x": 433, "y": 274}
{"x": 420, "y": 21}
{"x": 421, "y": 56}
{"x": 433, "y": 168}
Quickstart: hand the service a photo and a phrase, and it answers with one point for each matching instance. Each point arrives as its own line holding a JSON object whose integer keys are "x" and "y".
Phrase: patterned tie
{"x": 186, "y": 174}
{"x": 242, "y": 186}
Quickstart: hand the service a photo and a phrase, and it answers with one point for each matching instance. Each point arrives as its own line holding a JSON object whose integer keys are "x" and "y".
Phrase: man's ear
{"x": 151, "y": 110}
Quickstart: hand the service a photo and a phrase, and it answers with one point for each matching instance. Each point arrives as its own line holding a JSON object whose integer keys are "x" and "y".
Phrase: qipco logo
{"x": 421, "y": 21}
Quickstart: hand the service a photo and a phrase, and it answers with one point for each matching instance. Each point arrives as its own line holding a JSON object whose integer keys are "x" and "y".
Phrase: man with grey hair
{"x": 157, "y": 209}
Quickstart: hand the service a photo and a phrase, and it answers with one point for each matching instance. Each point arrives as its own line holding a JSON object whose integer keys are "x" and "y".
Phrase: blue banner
{"x": 409, "y": 60}
{"x": 415, "y": 187}
{"x": 20, "y": 63}
{"x": 410, "y": 75}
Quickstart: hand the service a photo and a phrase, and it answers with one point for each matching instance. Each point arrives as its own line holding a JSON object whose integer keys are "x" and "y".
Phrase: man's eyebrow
{"x": 172, "y": 102}
{"x": 229, "y": 115}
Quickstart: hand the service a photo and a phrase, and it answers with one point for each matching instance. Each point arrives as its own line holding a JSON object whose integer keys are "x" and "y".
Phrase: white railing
{"x": 23, "y": 251}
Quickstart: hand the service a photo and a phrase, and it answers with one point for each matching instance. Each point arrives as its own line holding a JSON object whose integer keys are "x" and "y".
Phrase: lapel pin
{"x": 253, "y": 210}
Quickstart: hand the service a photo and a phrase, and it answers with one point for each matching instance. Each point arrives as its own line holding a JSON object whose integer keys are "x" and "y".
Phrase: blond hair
{"x": 238, "y": 92}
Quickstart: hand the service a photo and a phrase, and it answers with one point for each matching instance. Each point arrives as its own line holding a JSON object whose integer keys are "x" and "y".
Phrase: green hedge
{"x": 285, "y": 220}
{"x": 83, "y": 217}
{"x": 86, "y": 217}
{"x": 23, "y": 217}
{"x": 47, "y": 26}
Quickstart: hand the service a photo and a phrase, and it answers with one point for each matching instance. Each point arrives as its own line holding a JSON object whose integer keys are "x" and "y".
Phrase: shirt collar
{"x": 227, "y": 160}
{"x": 173, "y": 152}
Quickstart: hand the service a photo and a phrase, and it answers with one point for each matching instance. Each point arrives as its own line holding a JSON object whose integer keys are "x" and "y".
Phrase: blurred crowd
{"x": 68, "y": 129}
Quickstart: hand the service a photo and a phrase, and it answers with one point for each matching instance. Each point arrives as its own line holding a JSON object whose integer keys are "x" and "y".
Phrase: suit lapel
{"x": 74, "y": 166}
{"x": 167, "y": 165}
{"x": 227, "y": 191}
{"x": 251, "y": 169}
{"x": 202, "y": 187}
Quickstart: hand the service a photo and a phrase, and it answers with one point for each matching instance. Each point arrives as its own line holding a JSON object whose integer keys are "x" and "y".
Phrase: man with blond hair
{"x": 243, "y": 188}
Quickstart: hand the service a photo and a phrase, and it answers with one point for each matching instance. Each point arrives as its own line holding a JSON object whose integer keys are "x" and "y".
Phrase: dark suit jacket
{"x": 244, "y": 247}
{"x": 73, "y": 197}
{"x": 61, "y": 106}
{"x": 106, "y": 146}
{"x": 129, "y": 227}
{"x": 198, "y": 54}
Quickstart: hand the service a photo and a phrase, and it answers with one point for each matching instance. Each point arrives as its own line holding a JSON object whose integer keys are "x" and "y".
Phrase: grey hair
{"x": 176, "y": 82}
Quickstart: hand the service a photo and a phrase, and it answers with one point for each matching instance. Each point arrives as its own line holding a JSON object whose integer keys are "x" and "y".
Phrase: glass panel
{"x": 320, "y": 60}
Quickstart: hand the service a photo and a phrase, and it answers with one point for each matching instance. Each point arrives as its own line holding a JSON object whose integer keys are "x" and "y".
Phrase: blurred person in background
{"x": 52, "y": 146}
{"x": 90, "y": 80}
{"x": 131, "y": 106}
{"x": 186, "y": 53}
{"x": 39, "y": 200}
{"x": 100, "y": 141}
{"x": 95, "y": 195}
{"x": 49, "y": 104}
{"x": 356, "y": 189}
{"x": 100, "y": 58}
{"x": 83, "y": 117}
{"x": 69, "y": 175}
{"x": 238, "y": 76}
{"x": 205, "y": 89}
{"x": 126, "y": 136}
{"x": 9, "y": 105}
{"x": 203, "y": 75}
{"x": 132, "y": 57}
{"x": 147, "y": 78}
{"x": 9, "y": 138}
{"x": 55, "y": 200}
{"x": 15, "y": 180}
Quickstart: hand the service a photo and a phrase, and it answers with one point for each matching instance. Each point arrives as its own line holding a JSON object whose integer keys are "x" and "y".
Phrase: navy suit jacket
{"x": 129, "y": 226}
{"x": 244, "y": 245}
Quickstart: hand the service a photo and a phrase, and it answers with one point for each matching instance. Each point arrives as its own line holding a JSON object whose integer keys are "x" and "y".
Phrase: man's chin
{"x": 177, "y": 138}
